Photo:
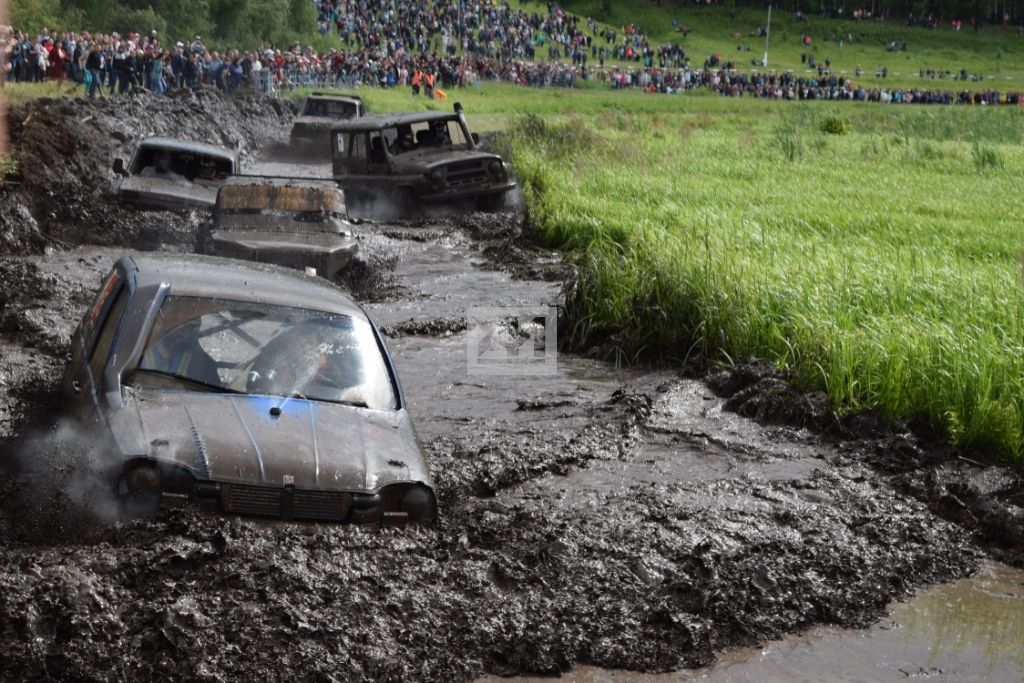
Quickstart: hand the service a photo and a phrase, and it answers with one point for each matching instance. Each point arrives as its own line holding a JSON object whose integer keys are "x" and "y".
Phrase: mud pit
{"x": 617, "y": 518}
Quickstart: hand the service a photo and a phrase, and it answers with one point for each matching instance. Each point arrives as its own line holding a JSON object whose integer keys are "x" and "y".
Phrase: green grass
{"x": 883, "y": 265}
{"x": 876, "y": 251}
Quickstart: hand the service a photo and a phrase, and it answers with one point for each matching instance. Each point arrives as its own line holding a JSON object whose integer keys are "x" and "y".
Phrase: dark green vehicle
{"x": 312, "y": 127}
{"x": 415, "y": 159}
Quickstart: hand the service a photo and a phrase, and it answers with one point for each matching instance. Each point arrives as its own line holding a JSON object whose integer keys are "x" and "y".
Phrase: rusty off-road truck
{"x": 290, "y": 222}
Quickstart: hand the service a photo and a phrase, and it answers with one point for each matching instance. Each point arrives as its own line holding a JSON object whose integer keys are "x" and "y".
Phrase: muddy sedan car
{"x": 291, "y": 222}
{"x": 174, "y": 174}
{"x": 416, "y": 158}
{"x": 250, "y": 388}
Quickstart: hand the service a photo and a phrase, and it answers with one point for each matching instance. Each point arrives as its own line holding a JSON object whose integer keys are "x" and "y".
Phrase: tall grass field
{"x": 877, "y": 253}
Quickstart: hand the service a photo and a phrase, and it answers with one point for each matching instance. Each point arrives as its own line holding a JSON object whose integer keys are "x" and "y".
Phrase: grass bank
{"x": 876, "y": 252}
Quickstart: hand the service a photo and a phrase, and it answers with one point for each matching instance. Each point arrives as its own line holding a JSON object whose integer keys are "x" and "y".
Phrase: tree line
{"x": 240, "y": 23}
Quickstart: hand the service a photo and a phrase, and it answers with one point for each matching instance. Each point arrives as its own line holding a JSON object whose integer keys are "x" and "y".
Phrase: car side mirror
{"x": 476, "y": 138}
{"x": 119, "y": 166}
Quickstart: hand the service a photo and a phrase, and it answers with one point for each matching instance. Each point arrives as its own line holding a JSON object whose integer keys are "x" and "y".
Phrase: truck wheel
{"x": 490, "y": 202}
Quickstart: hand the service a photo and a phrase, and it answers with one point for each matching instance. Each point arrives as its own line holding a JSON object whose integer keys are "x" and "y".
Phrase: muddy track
{"x": 624, "y": 518}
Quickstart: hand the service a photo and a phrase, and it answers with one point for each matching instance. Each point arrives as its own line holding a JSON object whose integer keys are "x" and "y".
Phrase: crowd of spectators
{"x": 729, "y": 82}
{"x": 392, "y": 43}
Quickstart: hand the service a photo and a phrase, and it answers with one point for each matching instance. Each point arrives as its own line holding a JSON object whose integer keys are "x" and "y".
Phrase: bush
{"x": 833, "y": 125}
{"x": 986, "y": 158}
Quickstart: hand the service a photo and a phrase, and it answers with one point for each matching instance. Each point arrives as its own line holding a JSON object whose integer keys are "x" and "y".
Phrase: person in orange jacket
{"x": 417, "y": 78}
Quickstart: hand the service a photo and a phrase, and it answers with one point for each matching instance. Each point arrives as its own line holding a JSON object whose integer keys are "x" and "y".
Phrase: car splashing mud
{"x": 622, "y": 518}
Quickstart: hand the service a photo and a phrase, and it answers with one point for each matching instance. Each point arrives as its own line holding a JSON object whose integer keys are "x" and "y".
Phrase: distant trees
{"x": 225, "y": 22}
{"x": 983, "y": 10}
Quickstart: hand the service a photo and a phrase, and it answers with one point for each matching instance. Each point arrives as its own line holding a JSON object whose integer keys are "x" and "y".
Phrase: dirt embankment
{"x": 625, "y": 518}
{"x": 64, "y": 151}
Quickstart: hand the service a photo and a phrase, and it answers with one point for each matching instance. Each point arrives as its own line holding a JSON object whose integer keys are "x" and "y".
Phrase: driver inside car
{"x": 161, "y": 168}
{"x": 311, "y": 359}
{"x": 178, "y": 353}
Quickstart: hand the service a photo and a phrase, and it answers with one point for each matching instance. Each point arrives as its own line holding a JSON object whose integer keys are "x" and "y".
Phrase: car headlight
{"x": 406, "y": 503}
{"x": 497, "y": 170}
{"x": 436, "y": 178}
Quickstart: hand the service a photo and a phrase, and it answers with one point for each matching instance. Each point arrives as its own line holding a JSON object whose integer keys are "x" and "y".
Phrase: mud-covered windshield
{"x": 330, "y": 108}
{"x": 425, "y": 135}
{"x": 179, "y": 165}
{"x": 222, "y": 345}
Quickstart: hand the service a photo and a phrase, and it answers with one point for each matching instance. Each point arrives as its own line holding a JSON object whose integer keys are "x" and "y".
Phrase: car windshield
{"x": 329, "y": 108}
{"x": 250, "y": 348}
{"x": 425, "y": 135}
{"x": 180, "y": 165}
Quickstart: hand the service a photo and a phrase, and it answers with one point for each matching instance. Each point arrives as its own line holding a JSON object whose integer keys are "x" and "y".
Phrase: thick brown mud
{"x": 627, "y": 519}
{"x": 966, "y": 631}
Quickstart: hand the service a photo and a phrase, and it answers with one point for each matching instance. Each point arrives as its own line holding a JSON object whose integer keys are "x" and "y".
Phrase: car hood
{"x": 306, "y": 242}
{"x": 429, "y": 159}
{"x": 234, "y": 438}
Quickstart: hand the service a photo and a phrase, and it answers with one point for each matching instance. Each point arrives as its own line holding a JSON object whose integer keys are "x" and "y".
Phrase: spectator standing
{"x": 156, "y": 74}
{"x": 94, "y": 67}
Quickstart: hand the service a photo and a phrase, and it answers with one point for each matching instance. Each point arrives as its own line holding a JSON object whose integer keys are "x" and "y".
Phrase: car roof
{"x": 389, "y": 120}
{"x": 209, "y": 276}
{"x": 354, "y": 99}
{"x": 188, "y": 146}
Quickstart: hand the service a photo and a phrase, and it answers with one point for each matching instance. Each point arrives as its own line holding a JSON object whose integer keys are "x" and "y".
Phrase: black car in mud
{"x": 312, "y": 127}
{"x": 291, "y": 222}
{"x": 416, "y": 158}
{"x": 253, "y": 389}
{"x": 174, "y": 174}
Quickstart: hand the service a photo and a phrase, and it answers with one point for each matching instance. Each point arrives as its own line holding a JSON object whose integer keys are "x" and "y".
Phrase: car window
{"x": 329, "y": 108}
{"x": 174, "y": 164}
{"x": 378, "y": 146}
{"x": 262, "y": 349}
{"x": 358, "y": 146}
{"x": 105, "y": 340}
{"x": 100, "y": 306}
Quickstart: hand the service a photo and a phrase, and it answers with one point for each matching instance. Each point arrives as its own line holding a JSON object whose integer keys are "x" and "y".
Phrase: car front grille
{"x": 466, "y": 173}
{"x": 285, "y": 503}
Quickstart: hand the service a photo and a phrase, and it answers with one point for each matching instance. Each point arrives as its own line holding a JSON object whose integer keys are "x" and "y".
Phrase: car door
{"x": 92, "y": 343}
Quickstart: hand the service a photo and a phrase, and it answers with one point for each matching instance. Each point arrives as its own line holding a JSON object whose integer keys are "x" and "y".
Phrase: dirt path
{"x": 617, "y": 518}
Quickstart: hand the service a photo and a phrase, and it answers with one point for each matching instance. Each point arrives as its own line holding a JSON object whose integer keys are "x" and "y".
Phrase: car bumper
{"x": 288, "y": 503}
{"x": 466, "y": 193}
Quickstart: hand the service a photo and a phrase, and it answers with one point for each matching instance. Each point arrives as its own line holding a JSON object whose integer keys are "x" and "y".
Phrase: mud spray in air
{"x": 622, "y": 519}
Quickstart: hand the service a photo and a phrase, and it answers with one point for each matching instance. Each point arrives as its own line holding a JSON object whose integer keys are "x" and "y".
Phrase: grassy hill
{"x": 993, "y": 51}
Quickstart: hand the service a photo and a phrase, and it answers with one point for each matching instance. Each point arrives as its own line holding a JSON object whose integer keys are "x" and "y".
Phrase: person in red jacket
{"x": 57, "y": 57}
